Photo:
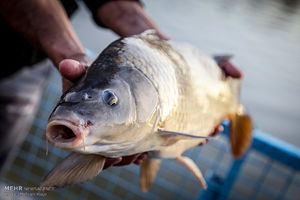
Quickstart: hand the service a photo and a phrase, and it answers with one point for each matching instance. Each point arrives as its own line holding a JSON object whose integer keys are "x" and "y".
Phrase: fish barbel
{"x": 143, "y": 94}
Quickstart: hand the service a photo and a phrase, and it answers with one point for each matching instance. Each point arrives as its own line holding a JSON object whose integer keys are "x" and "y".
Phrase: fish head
{"x": 104, "y": 109}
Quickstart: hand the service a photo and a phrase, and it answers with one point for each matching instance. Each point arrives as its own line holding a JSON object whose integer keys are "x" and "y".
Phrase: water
{"x": 264, "y": 36}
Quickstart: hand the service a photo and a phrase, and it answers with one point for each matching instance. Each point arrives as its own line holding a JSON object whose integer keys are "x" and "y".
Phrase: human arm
{"x": 126, "y": 18}
{"x": 45, "y": 25}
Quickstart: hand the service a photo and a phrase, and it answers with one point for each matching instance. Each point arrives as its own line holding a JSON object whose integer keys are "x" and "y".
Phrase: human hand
{"x": 230, "y": 70}
{"x": 127, "y": 18}
{"x": 125, "y": 160}
{"x": 227, "y": 66}
{"x": 73, "y": 68}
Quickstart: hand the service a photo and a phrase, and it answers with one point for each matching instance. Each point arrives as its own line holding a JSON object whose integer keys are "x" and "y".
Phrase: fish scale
{"x": 159, "y": 70}
{"x": 169, "y": 68}
{"x": 186, "y": 111}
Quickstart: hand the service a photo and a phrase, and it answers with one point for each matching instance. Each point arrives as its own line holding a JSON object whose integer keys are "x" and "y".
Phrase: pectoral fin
{"x": 184, "y": 135}
{"x": 191, "y": 165}
{"x": 148, "y": 172}
{"x": 75, "y": 168}
{"x": 240, "y": 132}
{"x": 171, "y": 137}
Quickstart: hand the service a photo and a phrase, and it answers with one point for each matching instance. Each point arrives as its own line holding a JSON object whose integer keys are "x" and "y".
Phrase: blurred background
{"x": 264, "y": 37}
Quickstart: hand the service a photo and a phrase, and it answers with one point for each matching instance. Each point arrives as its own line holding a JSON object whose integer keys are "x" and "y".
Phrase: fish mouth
{"x": 66, "y": 134}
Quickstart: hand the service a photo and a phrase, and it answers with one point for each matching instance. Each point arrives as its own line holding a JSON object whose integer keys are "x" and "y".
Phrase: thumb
{"x": 71, "y": 69}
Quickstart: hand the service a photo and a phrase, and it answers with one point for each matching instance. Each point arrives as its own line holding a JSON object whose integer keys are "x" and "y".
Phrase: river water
{"x": 263, "y": 36}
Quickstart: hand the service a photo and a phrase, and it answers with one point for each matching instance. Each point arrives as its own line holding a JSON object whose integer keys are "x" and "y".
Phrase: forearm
{"x": 127, "y": 18}
{"x": 44, "y": 24}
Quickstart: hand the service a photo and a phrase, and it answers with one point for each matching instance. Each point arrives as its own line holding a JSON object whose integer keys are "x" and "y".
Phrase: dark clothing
{"x": 16, "y": 52}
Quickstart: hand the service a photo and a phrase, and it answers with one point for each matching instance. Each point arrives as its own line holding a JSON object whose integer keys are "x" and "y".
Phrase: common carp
{"x": 143, "y": 94}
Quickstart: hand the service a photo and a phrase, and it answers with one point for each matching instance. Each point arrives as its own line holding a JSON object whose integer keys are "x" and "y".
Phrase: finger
{"x": 230, "y": 69}
{"x": 203, "y": 142}
{"x": 217, "y": 130}
{"x": 71, "y": 69}
{"x": 111, "y": 161}
{"x": 66, "y": 84}
{"x": 141, "y": 158}
{"x": 126, "y": 160}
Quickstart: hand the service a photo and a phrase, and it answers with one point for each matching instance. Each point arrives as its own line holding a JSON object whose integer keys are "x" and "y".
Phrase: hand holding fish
{"x": 142, "y": 94}
{"x": 127, "y": 104}
{"x": 73, "y": 69}
{"x": 125, "y": 160}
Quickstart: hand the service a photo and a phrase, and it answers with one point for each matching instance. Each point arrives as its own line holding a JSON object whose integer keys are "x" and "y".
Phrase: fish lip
{"x": 71, "y": 143}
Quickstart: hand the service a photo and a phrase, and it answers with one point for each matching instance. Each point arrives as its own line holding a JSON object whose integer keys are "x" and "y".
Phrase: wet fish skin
{"x": 158, "y": 85}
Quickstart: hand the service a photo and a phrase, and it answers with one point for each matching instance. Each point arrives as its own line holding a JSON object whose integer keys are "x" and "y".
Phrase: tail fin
{"x": 240, "y": 123}
{"x": 148, "y": 172}
{"x": 240, "y": 132}
{"x": 190, "y": 164}
{"x": 75, "y": 168}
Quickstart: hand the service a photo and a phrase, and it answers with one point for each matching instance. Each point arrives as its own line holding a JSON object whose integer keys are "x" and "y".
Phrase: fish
{"x": 144, "y": 94}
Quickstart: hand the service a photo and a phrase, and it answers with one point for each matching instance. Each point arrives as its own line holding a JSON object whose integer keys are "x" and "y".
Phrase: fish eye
{"x": 109, "y": 97}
